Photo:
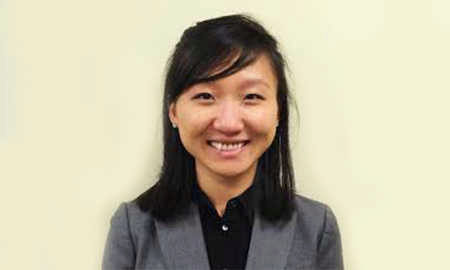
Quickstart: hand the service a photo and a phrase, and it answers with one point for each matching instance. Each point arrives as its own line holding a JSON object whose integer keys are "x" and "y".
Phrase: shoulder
{"x": 130, "y": 236}
{"x": 309, "y": 207}
{"x": 129, "y": 215}
{"x": 315, "y": 215}
{"x": 316, "y": 239}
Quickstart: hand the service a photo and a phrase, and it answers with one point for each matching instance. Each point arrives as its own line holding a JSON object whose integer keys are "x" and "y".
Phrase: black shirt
{"x": 227, "y": 238}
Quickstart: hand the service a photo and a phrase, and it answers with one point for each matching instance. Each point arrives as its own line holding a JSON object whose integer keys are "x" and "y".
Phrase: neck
{"x": 220, "y": 189}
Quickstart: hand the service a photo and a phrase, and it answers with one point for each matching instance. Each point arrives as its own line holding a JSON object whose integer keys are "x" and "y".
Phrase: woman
{"x": 225, "y": 195}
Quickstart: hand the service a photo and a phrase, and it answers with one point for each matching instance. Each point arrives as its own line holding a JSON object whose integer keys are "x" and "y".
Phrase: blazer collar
{"x": 183, "y": 245}
{"x": 270, "y": 243}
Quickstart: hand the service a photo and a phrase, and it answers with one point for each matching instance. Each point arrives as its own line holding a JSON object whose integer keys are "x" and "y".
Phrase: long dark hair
{"x": 202, "y": 49}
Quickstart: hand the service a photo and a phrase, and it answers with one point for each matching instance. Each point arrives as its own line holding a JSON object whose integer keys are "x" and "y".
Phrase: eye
{"x": 254, "y": 96}
{"x": 203, "y": 96}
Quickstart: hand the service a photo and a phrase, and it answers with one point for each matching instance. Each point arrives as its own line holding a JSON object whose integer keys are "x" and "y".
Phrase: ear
{"x": 172, "y": 114}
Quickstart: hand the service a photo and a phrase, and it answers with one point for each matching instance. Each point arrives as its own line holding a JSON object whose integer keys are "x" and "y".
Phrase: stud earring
{"x": 174, "y": 125}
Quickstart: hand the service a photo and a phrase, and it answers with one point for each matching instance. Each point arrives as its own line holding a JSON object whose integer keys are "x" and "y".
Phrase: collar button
{"x": 224, "y": 228}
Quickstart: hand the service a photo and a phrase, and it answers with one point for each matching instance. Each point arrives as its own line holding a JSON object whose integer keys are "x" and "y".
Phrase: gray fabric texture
{"x": 310, "y": 240}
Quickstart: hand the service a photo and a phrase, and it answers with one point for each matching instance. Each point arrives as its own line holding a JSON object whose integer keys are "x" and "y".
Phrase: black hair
{"x": 203, "y": 49}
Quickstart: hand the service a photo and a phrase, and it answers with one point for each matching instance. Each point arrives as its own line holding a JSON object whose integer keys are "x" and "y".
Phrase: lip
{"x": 228, "y": 141}
{"x": 228, "y": 154}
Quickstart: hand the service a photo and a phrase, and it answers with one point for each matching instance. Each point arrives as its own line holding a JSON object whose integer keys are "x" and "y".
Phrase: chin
{"x": 226, "y": 172}
{"x": 230, "y": 174}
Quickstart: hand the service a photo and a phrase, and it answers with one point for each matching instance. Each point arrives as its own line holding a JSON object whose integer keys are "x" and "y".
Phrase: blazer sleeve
{"x": 329, "y": 254}
{"x": 119, "y": 251}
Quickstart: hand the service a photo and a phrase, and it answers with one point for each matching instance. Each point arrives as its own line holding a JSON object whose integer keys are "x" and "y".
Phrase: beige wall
{"x": 80, "y": 89}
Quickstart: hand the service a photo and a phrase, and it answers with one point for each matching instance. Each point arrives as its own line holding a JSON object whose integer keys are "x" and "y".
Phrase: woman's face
{"x": 227, "y": 124}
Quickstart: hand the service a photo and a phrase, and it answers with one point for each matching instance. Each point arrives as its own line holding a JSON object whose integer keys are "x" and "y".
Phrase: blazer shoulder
{"x": 306, "y": 205}
{"x": 318, "y": 232}
{"x": 136, "y": 217}
{"x": 314, "y": 213}
{"x": 319, "y": 227}
{"x": 129, "y": 227}
{"x": 130, "y": 217}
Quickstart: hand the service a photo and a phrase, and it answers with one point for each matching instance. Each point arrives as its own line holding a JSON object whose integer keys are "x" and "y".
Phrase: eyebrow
{"x": 252, "y": 82}
{"x": 247, "y": 83}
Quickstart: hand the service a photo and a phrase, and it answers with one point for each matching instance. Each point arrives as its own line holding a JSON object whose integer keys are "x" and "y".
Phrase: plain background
{"x": 80, "y": 120}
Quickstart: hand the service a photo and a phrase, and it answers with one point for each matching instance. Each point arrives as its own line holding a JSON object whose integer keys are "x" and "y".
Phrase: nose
{"x": 229, "y": 118}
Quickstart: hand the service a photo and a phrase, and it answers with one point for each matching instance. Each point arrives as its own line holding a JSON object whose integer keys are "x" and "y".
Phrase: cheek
{"x": 264, "y": 121}
{"x": 191, "y": 126}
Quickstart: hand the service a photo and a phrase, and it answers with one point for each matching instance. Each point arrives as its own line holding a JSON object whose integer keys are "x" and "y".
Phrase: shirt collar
{"x": 247, "y": 199}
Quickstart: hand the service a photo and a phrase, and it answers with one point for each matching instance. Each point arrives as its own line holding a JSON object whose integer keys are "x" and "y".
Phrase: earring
{"x": 174, "y": 125}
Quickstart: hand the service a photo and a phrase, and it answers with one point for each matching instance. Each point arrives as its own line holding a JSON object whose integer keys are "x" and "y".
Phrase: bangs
{"x": 223, "y": 64}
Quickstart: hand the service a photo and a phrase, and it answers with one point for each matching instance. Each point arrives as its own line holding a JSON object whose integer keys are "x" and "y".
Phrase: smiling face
{"x": 227, "y": 124}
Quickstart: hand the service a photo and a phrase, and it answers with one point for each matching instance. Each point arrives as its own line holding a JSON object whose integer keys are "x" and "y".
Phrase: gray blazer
{"x": 310, "y": 240}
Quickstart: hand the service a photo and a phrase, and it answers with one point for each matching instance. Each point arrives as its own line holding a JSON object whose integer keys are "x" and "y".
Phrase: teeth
{"x": 226, "y": 147}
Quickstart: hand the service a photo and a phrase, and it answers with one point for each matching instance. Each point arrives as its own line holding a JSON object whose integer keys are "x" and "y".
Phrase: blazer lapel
{"x": 182, "y": 242}
{"x": 270, "y": 243}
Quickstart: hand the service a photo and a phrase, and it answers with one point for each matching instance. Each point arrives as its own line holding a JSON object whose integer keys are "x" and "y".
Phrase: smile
{"x": 227, "y": 147}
